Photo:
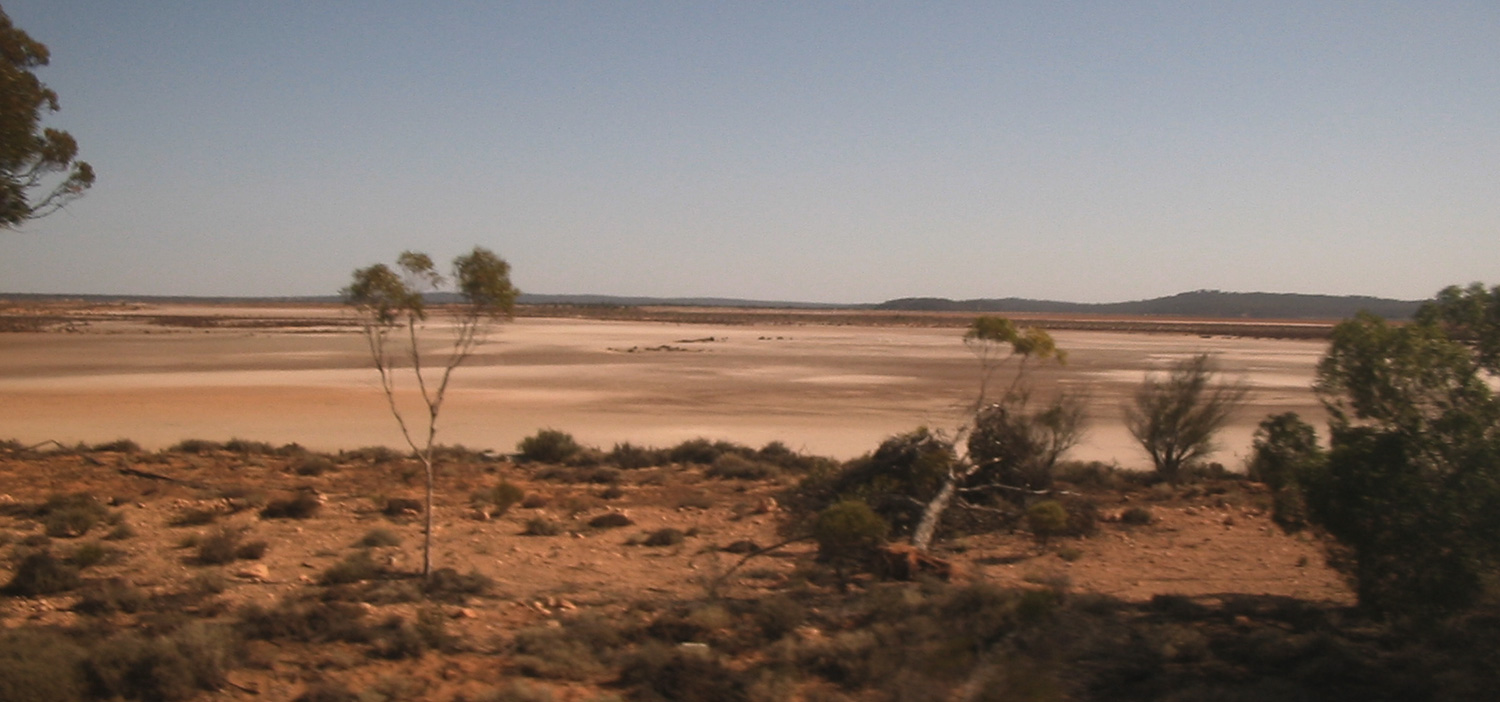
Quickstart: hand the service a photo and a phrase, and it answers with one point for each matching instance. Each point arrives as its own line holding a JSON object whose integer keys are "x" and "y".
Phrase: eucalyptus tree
{"x": 39, "y": 170}
{"x": 393, "y": 308}
{"x": 995, "y": 342}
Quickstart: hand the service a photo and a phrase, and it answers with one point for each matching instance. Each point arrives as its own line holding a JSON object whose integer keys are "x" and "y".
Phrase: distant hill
{"x": 1199, "y": 303}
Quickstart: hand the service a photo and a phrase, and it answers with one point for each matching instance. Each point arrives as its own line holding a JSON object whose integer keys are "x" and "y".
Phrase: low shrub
{"x": 548, "y": 446}
{"x": 735, "y": 466}
{"x": 307, "y": 621}
{"x": 196, "y": 446}
{"x": 500, "y": 498}
{"x": 71, "y": 515}
{"x": 249, "y": 448}
{"x": 118, "y": 446}
{"x": 302, "y": 506}
{"x": 108, "y": 596}
{"x": 631, "y": 457}
{"x": 40, "y": 665}
{"x": 311, "y": 464}
{"x": 120, "y": 532}
{"x": 401, "y": 506}
{"x": 666, "y": 536}
{"x": 520, "y": 691}
{"x": 1047, "y": 519}
{"x": 41, "y": 573}
{"x": 194, "y": 517}
{"x": 702, "y": 451}
{"x": 1095, "y": 475}
{"x": 219, "y": 547}
{"x": 398, "y": 639}
{"x": 173, "y": 667}
{"x": 92, "y": 553}
{"x": 541, "y": 526}
{"x": 379, "y": 537}
{"x": 661, "y": 672}
{"x": 355, "y": 567}
{"x": 848, "y": 531}
{"x": 327, "y": 691}
{"x": 449, "y": 585}
{"x": 554, "y": 654}
{"x": 779, "y": 615}
{"x": 374, "y": 454}
{"x": 598, "y": 475}
{"x": 579, "y": 649}
{"x": 1136, "y": 516}
{"x": 252, "y": 550}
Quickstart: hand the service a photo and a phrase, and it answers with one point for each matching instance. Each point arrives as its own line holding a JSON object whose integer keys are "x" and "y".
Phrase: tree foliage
{"x": 1174, "y": 418}
{"x": 1015, "y": 444}
{"x": 1412, "y": 483}
{"x": 39, "y": 170}
{"x": 1470, "y": 316}
{"x": 1285, "y": 450}
{"x": 392, "y": 306}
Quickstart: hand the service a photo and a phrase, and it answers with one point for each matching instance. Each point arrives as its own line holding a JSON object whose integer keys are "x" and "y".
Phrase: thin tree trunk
{"x": 427, "y": 537}
{"x": 922, "y": 537}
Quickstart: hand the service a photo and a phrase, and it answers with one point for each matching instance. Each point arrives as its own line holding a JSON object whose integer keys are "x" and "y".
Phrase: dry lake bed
{"x": 161, "y": 373}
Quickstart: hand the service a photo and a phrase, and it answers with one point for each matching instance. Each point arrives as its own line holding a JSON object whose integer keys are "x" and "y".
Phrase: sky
{"x": 803, "y": 151}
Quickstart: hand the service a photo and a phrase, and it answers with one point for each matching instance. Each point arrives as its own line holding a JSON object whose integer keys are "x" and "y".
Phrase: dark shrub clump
{"x": 41, "y": 573}
{"x": 303, "y": 506}
{"x": 549, "y": 446}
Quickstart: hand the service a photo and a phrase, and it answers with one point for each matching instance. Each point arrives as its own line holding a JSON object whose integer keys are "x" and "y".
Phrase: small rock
{"x": 254, "y": 571}
{"x": 465, "y": 613}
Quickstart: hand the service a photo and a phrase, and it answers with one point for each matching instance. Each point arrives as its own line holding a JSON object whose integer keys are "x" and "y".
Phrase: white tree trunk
{"x": 922, "y": 537}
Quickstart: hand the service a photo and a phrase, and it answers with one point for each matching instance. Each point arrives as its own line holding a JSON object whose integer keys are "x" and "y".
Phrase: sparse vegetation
{"x": 499, "y": 499}
{"x": 379, "y": 537}
{"x": 302, "y": 506}
{"x": 542, "y": 526}
{"x": 71, "y": 515}
{"x": 549, "y": 446}
{"x": 41, "y": 573}
{"x": 1175, "y": 418}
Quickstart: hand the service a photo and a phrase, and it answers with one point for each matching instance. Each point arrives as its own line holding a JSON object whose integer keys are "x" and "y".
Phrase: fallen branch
{"x": 713, "y": 587}
{"x": 127, "y": 470}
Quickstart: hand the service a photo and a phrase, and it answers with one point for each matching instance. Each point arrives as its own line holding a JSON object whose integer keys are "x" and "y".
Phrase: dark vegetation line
{"x": 1199, "y": 303}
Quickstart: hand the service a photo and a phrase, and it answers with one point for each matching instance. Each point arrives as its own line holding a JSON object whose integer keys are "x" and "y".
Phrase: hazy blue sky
{"x": 840, "y": 152}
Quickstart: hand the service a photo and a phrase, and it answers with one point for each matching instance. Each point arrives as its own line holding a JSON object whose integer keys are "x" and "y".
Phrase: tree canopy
{"x": 39, "y": 170}
{"x": 1412, "y": 483}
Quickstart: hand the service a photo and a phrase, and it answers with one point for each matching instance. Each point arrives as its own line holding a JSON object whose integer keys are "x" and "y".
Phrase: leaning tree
{"x": 392, "y": 306}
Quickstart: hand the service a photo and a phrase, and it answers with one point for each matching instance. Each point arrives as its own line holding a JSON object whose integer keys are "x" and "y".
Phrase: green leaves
{"x": 1023, "y": 341}
{"x": 387, "y": 297}
{"x": 1412, "y": 483}
{"x": 31, "y": 159}
{"x": 378, "y": 293}
{"x": 484, "y": 282}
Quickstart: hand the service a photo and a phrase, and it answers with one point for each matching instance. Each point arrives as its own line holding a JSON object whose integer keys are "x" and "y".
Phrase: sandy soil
{"x": 303, "y": 375}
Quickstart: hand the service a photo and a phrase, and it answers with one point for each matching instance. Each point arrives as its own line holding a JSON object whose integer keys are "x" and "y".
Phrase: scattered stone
{"x": 254, "y": 571}
{"x": 742, "y": 546}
